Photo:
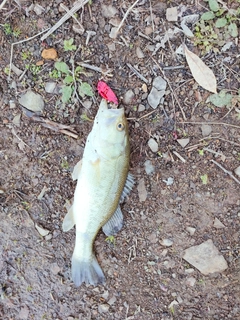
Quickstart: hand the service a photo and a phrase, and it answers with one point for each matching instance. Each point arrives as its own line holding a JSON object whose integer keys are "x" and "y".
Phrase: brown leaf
{"x": 201, "y": 73}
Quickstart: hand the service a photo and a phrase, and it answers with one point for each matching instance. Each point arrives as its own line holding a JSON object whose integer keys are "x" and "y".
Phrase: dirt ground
{"x": 147, "y": 277}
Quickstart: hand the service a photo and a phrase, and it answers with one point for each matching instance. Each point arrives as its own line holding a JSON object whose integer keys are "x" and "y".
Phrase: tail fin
{"x": 86, "y": 271}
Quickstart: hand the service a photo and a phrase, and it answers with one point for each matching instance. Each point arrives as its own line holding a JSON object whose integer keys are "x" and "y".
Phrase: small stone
{"x": 49, "y": 54}
{"x": 16, "y": 120}
{"x": 172, "y": 14}
{"x": 206, "y": 130}
{"x": 159, "y": 83}
{"x": 237, "y": 171}
{"x": 54, "y": 268}
{"x": 48, "y": 237}
{"x": 183, "y": 142}
{"x": 157, "y": 92}
{"x": 32, "y": 101}
{"x": 87, "y": 104}
{"x": 218, "y": 224}
{"x": 191, "y": 230}
{"x": 141, "y": 108}
{"x": 42, "y": 232}
{"x": 191, "y": 281}
{"x": 38, "y": 9}
{"x": 23, "y": 314}
{"x": 142, "y": 192}
{"x": 206, "y": 258}
{"x": 103, "y": 308}
{"x": 139, "y": 53}
{"x": 105, "y": 295}
{"x": 144, "y": 88}
{"x": 153, "y": 238}
{"x": 12, "y": 104}
{"x": 166, "y": 242}
{"x": 50, "y": 87}
{"x": 128, "y": 97}
{"x": 109, "y": 11}
{"x": 113, "y": 33}
{"x": 153, "y": 145}
{"x": 112, "y": 300}
{"x": 149, "y": 168}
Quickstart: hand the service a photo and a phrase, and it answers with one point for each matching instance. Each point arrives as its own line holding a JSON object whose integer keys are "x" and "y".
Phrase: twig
{"x": 78, "y": 5}
{"x": 24, "y": 40}
{"x": 173, "y": 93}
{"x": 226, "y": 171}
{"x": 179, "y": 156}
{"x": 125, "y": 16}
{"x": 2, "y": 4}
{"x": 95, "y": 68}
{"x": 212, "y": 123}
{"x": 72, "y": 15}
{"x": 138, "y": 74}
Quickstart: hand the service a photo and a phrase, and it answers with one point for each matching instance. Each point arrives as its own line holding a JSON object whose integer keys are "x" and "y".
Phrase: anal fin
{"x": 114, "y": 224}
{"x": 128, "y": 187}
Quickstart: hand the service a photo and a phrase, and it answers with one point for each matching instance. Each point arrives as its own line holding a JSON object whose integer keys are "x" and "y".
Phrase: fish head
{"x": 110, "y": 132}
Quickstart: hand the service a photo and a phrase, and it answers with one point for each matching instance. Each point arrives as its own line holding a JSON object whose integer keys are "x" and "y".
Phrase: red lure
{"x": 106, "y": 92}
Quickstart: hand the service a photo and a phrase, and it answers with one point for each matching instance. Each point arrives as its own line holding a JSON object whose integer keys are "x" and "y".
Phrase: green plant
{"x": 26, "y": 55}
{"x": 216, "y": 26}
{"x": 68, "y": 45}
{"x": 7, "y": 29}
{"x": 201, "y": 152}
{"x": 204, "y": 179}
{"x": 70, "y": 81}
{"x": 111, "y": 240}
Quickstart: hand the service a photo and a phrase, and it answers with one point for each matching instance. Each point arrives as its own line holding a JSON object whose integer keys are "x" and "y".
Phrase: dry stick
{"x": 74, "y": 9}
{"x": 173, "y": 93}
{"x": 138, "y": 74}
{"x": 72, "y": 15}
{"x": 226, "y": 171}
{"x": 212, "y": 123}
{"x": 98, "y": 69}
{"x": 2, "y": 4}
{"x": 125, "y": 16}
{"x": 24, "y": 40}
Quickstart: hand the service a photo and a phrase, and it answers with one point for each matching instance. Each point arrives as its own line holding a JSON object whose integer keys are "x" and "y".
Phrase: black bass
{"x": 103, "y": 182}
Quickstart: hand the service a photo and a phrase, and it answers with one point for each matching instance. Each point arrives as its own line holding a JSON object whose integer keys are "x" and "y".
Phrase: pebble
{"x": 157, "y": 92}
{"x": 183, "y": 142}
{"x": 166, "y": 242}
{"x": 153, "y": 145}
{"x": 112, "y": 300}
{"x": 141, "y": 108}
{"x": 23, "y": 314}
{"x": 142, "y": 192}
{"x": 41, "y": 231}
{"x": 103, "y": 308}
{"x": 128, "y": 97}
{"x": 139, "y": 53}
{"x": 32, "y": 101}
{"x": 191, "y": 230}
{"x": 191, "y": 281}
{"x": 206, "y": 258}
{"x": 50, "y": 87}
{"x": 237, "y": 171}
{"x": 16, "y": 120}
{"x": 218, "y": 224}
{"x": 206, "y": 130}
{"x": 149, "y": 168}
{"x": 109, "y": 11}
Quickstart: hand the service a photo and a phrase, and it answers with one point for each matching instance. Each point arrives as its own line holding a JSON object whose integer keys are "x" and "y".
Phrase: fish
{"x": 103, "y": 182}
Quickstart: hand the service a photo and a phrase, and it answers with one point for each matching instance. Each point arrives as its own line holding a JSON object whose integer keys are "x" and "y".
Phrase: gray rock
{"x": 166, "y": 242}
{"x": 103, "y": 308}
{"x": 32, "y": 101}
{"x": 218, "y": 224}
{"x": 237, "y": 171}
{"x": 50, "y": 87}
{"x": 206, "y": 130}
{"x": 191, "y": 230}
{"x": 206, "y": 258}
{"x": 142, "y": 192}
{"x": 109, "y": 11}
{"x": 153, "y": 145}
{"x": 183, "y": 142}
{"x": 128, "y": 97}
{"x": 149, "y": 168}
{"x": 139, "y": 53}
{"x": 141, "y": 108}
{"x": 157, "y": 92}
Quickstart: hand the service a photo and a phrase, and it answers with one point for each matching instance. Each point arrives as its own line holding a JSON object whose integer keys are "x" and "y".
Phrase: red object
{"x": 106, "y": 92}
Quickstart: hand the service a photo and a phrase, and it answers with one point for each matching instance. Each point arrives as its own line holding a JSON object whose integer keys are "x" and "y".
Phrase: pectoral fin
{"x": 128, "y": 187}
{"x": 68, "y": 221}
{"x": 76, "y": 170}
{"x": 114, "y": 224}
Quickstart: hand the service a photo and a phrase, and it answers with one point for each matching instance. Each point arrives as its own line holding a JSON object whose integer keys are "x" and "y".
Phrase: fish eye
{"x": 120, "y": 126}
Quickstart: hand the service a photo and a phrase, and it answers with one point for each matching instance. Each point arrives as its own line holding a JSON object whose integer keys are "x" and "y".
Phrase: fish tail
{"x": 85, "y": 268}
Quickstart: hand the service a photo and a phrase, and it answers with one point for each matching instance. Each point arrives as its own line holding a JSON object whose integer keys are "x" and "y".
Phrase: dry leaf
{"x": 201, "y": 73}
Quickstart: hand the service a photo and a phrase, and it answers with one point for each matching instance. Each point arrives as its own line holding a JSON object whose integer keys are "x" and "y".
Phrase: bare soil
{"x": 143, "y": 276}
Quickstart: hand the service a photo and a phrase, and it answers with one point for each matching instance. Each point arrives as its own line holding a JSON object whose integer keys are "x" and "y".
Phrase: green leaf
{"x": 68, "y": 45}
{"x": 61, "y": 66}
{"x": 221, "y": 22}
{"x": 85, "y": 89}
{"x": 68, "y": 80}
{"x": 233, "y": 30}
{"x": 204, "y": 179}
{"x": 213, "y": 4}
{"x": 208, "y": 16}
{"x": 201, "y": 152}
{"x": 66, "y": 93}
{"x": 221, "y": 99}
